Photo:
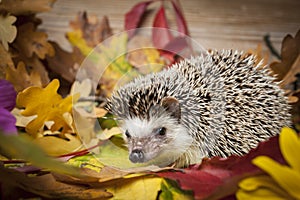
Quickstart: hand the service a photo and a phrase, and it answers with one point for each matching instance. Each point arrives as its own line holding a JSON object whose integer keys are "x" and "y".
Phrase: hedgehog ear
{"x": 172, "y": 106}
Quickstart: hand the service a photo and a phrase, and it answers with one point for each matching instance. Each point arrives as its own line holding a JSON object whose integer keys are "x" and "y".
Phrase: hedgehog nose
{"x": 136, "y": 156}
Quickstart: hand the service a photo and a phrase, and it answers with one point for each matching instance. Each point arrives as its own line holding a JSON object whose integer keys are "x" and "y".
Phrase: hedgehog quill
{"x": 217, "y": 104}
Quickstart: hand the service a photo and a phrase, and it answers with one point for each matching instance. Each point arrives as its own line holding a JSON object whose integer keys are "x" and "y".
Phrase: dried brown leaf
{"x": 92, "y": 30}
{"x": 47, "y": 186}
{"x": 30, "y": 41}
{"x": 21, "y": 79}
{"x": 23, "y": 7}
{"x": 8, "y": 32}
{"x": 290, "y": 51}
{"x": 291, "y": 74}
{"x": 6, "y": 61}
{"x": 33, "y": 64}
{"x": 64, "y": 63}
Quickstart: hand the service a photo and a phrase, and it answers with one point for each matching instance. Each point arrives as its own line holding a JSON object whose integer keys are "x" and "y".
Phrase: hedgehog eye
{"x": 161, "y": 131}
{"x": 127, "y": 134}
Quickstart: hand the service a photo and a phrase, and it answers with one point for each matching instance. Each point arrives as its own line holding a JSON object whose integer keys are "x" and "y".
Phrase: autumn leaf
{"x": 8, "y": 32}
{"x": 47, "y": 186}
{"x": 141, "y": 188}
{"x": 89, "y": 164}
{"x": 25, "y": 7}
{"x": 22, "y": 147}
{"x": 84, "y": 123}
{"x": 34, "y": 65}
{"x": 180, "y": 20}
{"x": 63, "y": 63}
{"x": 217, "y": 178}
{"x": 143, "y": 56}
{"x": 108, "y": 63}
{"x": 6, "y": 61}
{"x": 290, "y": 61}
{"x": 56, "y": 146}
{"x": 30, "y": 41}
{"x": 84, "y": 88}
{"x": 161, "y": 34}
{"x": 134, "y": 17}
{"x": 92, "y": 31}
{"x": 20, "y": 78}
{"x": 108, "y": 133}
{"x": 76, "y": 39}
{"x": 171, "y": 190}
{"x": 47, "y": 105}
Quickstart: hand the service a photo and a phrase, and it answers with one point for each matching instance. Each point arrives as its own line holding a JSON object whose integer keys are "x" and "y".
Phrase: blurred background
{"x": 216, "y": 24}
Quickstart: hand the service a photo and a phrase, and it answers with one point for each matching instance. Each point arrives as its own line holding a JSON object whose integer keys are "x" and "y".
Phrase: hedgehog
{"x": 220, "y": 103}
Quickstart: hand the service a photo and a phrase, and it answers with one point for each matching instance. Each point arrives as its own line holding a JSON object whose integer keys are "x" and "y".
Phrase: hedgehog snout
{"x": 136, "y": 156}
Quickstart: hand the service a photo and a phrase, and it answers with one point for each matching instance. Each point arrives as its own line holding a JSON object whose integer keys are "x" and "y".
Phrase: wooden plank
{"x": 216, "y": 24}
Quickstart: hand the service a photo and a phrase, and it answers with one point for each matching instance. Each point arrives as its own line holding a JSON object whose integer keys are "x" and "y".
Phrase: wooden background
{"x": 216, "y": 24}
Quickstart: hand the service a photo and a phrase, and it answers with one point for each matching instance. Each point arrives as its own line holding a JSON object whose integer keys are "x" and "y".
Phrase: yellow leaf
{"x": 55, "y": 146}
{"x": 112, "y": 59}
{"x": 108, "y": 133}
{"x": 286, "y": 177}
{"x": 143, "y": 55}
{"x": 290, "y": 147}
{"x": 8, "y": 32}
{"x": 75, "y": 38}
{"x": 89, "y": 165}
{"x": 47, "y": 105}
{"x": 84, "y": 123}
{"x": 100, "y": 112}
{"x": 136, "y": 188}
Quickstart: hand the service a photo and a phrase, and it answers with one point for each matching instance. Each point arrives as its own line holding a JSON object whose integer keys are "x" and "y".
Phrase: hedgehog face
{"x": 159, "y": 139}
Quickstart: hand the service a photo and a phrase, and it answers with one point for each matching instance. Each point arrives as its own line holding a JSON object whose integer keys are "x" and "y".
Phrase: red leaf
{"x": 219, "y": 177}
{"x": 181, "y": 23}
{"x": 176, "y": 45}
{"x": 161, "y": 35}
{"x": 134, "y": 16}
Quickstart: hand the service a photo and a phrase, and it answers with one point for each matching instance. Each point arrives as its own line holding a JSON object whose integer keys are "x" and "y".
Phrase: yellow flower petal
{"x": 290, "y": 147}
{"x": 287, "y": 178}
{"x": 259, "y": 194}
{"x": 262, "y": 181}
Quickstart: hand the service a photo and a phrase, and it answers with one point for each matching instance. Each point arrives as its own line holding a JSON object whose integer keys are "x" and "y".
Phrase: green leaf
{"x": 171, "y": 191}
{"x": 114, "y": 153}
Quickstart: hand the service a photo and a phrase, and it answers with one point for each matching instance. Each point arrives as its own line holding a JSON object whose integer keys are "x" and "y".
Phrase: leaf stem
{"x": 271, "y": 47}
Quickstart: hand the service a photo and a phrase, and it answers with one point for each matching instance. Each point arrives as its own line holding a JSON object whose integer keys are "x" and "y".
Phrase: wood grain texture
{"x": 215, "y": 24}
